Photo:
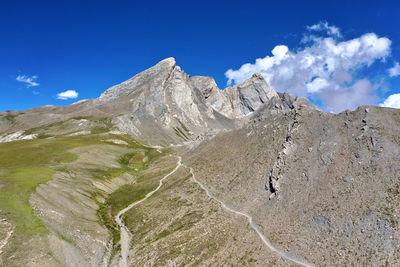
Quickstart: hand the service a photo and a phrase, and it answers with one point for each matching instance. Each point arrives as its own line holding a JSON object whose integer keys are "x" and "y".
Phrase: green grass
{"x": 108, "y": 173}
{"x": 23, "y": 166}
{"x": 134, "y": 164}
{"x": 42, "y": 128}
{"x": 14, "y": 198}
{"x": 99, "y": 129}
{"x": 162, "y": 234}
{"x": 138, "y": 160}
{"x": 141, "y": 159}
{"x": 129, "y": 193}
{"x": 102, "y": 125}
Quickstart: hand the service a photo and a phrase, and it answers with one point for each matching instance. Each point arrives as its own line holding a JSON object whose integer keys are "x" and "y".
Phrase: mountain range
{"x": 166, "y": 169}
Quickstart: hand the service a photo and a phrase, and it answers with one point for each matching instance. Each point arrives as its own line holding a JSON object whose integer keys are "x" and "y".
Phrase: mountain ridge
{"x": 182, "y": 107}
{"x": 316, "y": 187}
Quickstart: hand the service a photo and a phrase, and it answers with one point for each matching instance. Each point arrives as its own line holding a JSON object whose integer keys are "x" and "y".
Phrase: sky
{"x": 338, "y": 54}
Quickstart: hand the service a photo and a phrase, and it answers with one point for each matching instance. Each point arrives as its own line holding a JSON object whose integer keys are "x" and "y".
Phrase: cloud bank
{"x": 69, "y": 94}
{"x": 324, "y": 70}
{"x": 30, "y": 81}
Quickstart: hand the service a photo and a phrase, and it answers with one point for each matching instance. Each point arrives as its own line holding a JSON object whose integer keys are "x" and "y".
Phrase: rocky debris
{"x": 117, "y": 141}
{"x": 16, "y": 136}
{"x": 6, "y": 231}
{"x": 116, "y": 132}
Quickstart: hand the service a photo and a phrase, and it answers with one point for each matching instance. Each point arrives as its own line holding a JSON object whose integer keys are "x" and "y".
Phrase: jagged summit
{"x": 165, "y": 97}
{"x": 164, "y": 105}
{"x": 233, "y": 102}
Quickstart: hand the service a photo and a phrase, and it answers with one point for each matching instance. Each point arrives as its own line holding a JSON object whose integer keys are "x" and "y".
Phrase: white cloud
{"x": 280, "y": 51}
{"x": 316, "y": 85}
{"x": 393, "y": 101}
{"x": 395, "y": 70}
{"x": 69, "y": 94}
{"x": 362, "y": 92}
{"x": 29, "y": 80}
{"x": 324, "y": 26}
{"x": 326, "y": 67}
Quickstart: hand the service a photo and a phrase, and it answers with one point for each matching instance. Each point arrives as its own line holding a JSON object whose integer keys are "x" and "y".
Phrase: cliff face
{"x": 183, "y": 107}
{"x": 167, "y": 99}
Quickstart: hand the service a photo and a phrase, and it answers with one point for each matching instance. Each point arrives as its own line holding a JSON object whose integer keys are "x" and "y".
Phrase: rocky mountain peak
{"x": 164, "y": 105}
{"x": 164, "y": 96}
{"x": 250, "y": 95}
{"x": 151, "y": 77}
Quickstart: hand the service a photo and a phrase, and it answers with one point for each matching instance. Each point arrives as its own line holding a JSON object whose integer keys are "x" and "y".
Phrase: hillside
{"x": 166, "y": 169}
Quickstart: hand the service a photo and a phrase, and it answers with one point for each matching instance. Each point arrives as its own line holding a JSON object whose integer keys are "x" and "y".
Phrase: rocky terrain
{"x": 323, "y": 186}
{"x": 166, "y": 169}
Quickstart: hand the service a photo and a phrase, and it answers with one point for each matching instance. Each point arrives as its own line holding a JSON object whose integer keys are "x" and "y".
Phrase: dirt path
{"x": 284, "y": 255}
{"x": 125, "y": 234}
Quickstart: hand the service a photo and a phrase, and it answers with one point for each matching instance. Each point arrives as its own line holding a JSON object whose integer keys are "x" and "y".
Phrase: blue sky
{"x": 83, "y": 47}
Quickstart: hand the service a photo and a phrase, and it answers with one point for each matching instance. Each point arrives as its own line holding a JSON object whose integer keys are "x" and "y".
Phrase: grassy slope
{"x": 26, "y": 164}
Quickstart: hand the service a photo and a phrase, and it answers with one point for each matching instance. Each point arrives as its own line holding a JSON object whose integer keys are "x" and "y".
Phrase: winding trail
{"x": 254, "y": 226}
{"x": 125, "y": 234}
